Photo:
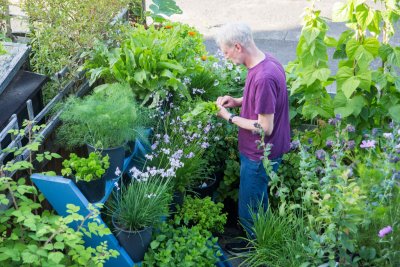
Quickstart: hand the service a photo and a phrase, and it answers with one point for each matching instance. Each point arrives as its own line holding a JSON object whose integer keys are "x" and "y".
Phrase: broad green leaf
{"x": 139, "y": 76}
{"x": 341, "y": 12}
{"x": 394, "y": 112}
{"x": 344, "y": 111}
{"x": 56, "y": 257}
{"x": 384, "y": 51}
{"x": 365, "y": 78}
{"x": 397, "y": 84}
{"x": 350, "y": 85}
{"x": 171, "y": 65}
{"x": 379, "y": 79}
{"x": 351, "y": 48}
{"x": 28, "y": 257}
{"x": 322, "y": 74}
{"x": 374, "y": 26}
{"x": 372, "y": 45}
{"x": 130, "y": 61}
{"x": 394, "y": 57}
{"x": 310, "y": 34}
{"x": 364, "y": 15}
{"x": 330, "y": 41}
{"x": 357, "y": 102}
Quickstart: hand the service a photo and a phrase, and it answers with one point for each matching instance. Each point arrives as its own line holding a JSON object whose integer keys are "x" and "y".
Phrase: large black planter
{"x": 136, "y": 243}
{"x": 207, "y": 188}
{"x": 94, "y": 190}
{"x": 116, "y": 155}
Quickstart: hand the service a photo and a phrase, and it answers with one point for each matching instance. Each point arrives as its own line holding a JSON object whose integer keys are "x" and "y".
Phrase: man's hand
{"x": 223, "y": 113}
{"x": 227, "y": 101}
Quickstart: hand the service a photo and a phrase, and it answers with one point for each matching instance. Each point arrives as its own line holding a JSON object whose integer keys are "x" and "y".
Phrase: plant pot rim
{"x": 118, "y": 227}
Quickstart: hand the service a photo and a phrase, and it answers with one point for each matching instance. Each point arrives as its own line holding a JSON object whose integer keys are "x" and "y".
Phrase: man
{"x": 264, "y": 105}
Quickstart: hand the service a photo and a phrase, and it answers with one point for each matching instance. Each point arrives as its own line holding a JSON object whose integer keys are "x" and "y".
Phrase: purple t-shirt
{"x": 265, "y": 93}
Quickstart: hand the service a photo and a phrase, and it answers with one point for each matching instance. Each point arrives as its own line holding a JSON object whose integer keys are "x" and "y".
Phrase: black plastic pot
{"x": 177, "y": 199}
{"x": 207, "y": 188}
{"x": 136, "y": 243}
{"x": 116, "y": 155}
{"x": 94, "y": 190}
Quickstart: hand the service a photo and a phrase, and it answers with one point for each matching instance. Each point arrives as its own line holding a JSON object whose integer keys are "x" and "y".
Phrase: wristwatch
{"x": 231, "y": 117}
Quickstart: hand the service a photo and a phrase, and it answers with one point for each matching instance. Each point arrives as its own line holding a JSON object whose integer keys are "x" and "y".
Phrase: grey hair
{"x": 233, "y": 33}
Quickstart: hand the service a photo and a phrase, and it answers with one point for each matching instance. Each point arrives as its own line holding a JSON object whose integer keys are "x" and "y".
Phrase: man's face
{"x": 233, "y": 53}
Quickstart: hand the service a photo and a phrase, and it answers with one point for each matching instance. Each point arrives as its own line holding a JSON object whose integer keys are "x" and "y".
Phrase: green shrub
{"x": 85, "y": 169}
{"x": 140, "y": 204}
{"x": 203, "y": 213}
{"x": 105, "y": 119}
{"x": 182, "y": 247}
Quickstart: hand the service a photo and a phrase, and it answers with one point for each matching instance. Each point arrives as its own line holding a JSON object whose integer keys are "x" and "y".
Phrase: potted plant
{"x": 105, "y": 121}
{"x": 174, "y": 246}
{"x": 203, "y": 213}
{"x": 88, "y": 174}
{"x": 135, "y": 210}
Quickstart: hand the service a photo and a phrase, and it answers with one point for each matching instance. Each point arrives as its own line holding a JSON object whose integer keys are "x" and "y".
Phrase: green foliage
{"x": 202, "y": 112}
{"x": 278, "y": 239}
{"x": 228, "y": 187}
{"x": 161, "y": 8}
{"x": 62, "y": 30}
{"x": 203, "y": 213}
{"x": 152, "y": 61}
{"x": 141, "y": 203}
{"x": 85, "y": 169}
{"x": 2, "y": 49}
{"x": 105, "y": 119}
{"x": 31, "y": 236}
{"x": 367, "y": 96}
{"x": 182, "y": 247}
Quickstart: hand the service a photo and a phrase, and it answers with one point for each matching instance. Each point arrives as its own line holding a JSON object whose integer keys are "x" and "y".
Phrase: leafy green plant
{"x": 2, "y": 49}
{"x": 161, "y": 8}
{"x": 203, "y": 213}
{"x": 61, "y": 30}
{"x": 202, "y": 111}
{"x": 151, "y": 60}
{"x": 85, "y": 169}
{"x": 105, "y": 119}
{"x": 141, "y": 203}
{"x": 367, "y": 96}
{"x": 31, "y": 236}
{"x": 182, "y": 247}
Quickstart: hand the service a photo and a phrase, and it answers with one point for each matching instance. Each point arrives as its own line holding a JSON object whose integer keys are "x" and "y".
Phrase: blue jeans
{"x": 253, "y": 188}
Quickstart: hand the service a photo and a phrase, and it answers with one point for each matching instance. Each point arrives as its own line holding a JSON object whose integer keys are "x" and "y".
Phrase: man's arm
{"x": 266, "y": 121}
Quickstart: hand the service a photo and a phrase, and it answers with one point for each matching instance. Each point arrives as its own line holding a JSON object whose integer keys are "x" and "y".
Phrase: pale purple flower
{"x": 384, "y": 231}
{"x": 368, "y": 144}
{"x": 329, "y": 143}
{"x": 166, "y": 138}
{"x": 388, "y": 135}
{"x": 295, "y": 144}
{"x": 117, "y": 172}
{"x": 166, "y": 151}
{"x": 135, "y": 172}
{"x": 205, "y": 145}
{"x": 351, "y": 144}
{"x": 190, "y": 155}
{"x": 149, "y": 156}
{"x": 154, "y": 146}
{"x": 350, "y": 128}
{"x": 207, "y": 128}
{"x": 320, "y": 154}
{"x": 116, "y": 185}
{"x": 374, "y": 131}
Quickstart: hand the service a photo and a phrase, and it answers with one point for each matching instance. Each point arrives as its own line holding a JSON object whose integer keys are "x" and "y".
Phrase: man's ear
{"x": 238, "y": 47}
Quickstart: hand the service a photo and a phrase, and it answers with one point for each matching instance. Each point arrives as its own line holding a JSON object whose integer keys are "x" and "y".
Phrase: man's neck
{"x": 254, "y": 57}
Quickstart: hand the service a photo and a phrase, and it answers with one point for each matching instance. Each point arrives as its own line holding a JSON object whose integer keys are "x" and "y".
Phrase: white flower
{"x": 151, "y": 195}
{"x": 117, "y": 172}
{"x": 149, "y": 157}
{"x": 216, "y": 82}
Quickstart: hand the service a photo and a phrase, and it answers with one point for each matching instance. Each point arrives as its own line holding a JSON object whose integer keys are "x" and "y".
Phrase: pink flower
{"x": 384, "y": 231}
{"x": 368, "y": 144}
